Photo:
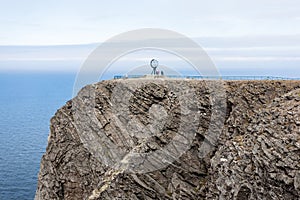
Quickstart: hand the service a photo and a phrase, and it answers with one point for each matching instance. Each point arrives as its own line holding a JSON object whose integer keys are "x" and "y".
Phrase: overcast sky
{"x": 48, "y": 22}
{"x": 235, "y": 33}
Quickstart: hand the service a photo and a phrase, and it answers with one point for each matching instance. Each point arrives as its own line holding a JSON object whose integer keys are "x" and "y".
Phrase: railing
{"x": 211, "y": 77}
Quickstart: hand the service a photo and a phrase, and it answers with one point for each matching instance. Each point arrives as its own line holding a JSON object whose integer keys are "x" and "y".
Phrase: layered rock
{"x": 255, "y": 155}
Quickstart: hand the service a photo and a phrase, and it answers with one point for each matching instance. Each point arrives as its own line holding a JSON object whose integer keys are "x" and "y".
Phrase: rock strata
{"x": 255, "y": 155}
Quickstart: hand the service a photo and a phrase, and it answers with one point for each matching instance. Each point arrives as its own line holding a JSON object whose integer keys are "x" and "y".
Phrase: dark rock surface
{"x": 256, "y": 155}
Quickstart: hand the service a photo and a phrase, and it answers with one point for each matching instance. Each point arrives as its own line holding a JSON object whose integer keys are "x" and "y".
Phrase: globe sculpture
{"x": 154, "y": 65}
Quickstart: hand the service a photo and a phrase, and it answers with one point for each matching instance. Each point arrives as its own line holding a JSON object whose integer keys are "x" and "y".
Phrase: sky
{"x": 242, "y": 37}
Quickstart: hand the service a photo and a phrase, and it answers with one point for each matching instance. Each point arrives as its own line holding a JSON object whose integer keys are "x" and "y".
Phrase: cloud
{"x": 48, "y": 22}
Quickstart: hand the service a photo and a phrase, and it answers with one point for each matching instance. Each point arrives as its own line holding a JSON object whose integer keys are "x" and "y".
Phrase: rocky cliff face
{"x": 255, "y": 154}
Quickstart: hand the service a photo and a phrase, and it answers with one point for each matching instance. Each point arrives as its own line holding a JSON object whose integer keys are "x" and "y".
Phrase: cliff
{"x": 236, "y": 140}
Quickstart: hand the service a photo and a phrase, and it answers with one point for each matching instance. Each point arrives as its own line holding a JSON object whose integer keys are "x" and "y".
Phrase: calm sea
{"x": 27, "y": 102}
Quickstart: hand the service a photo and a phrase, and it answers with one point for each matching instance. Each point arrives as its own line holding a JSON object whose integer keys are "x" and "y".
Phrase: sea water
{"x": 27, "y": 103}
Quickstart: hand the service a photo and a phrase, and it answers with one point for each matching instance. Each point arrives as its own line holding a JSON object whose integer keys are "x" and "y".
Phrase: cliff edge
{"x": 254, "y": 155}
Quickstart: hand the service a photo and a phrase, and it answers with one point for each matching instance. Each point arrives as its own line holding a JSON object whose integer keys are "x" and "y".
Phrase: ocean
{"x": 27, "y": 102}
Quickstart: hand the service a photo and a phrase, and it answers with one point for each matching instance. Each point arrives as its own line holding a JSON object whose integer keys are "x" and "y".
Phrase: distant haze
{"x": 234, "y": 56}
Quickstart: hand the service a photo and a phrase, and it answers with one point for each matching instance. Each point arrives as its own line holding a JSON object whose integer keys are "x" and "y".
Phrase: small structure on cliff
{"x": 154, "y": 65}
